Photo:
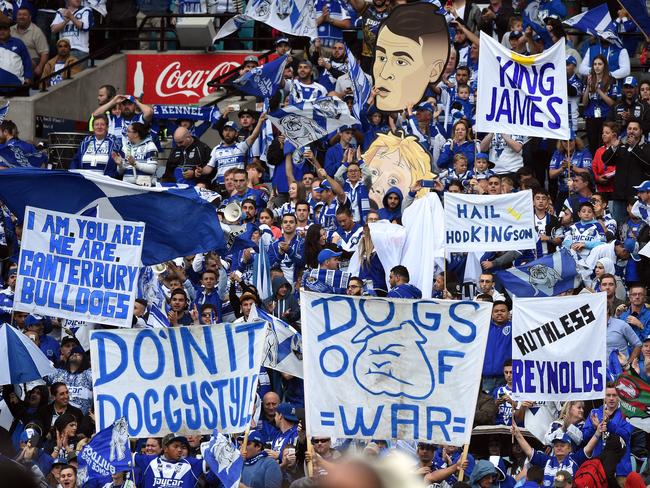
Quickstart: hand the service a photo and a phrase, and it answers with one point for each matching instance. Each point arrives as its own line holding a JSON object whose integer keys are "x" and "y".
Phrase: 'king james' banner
{"x": 78, "y": 268}
{"x": 392, "y": 369}
{"x": 489, "y": 222}
{"x": 558, "y": 348}
{"x": 183, "y": 380}
{"x": 523, "y": 95}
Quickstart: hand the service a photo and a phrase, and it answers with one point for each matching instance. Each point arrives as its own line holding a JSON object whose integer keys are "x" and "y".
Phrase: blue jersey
{"x": 16, "y": 64}
{"x": 504, "y": 414}
{"x": 579, "y": 159}
{"x": 327, "y": 215}
{"x": 302, "y": 92}
{"x": 551, "y": 465}
{"x": 226, "y": 156}
{"x": 159, "y": 472}
{"x": 285, "y": 438}
{"x": 597, "y": 107}
{"x": 97, "y": 155}
{"x": 591, "y": 233}
{"x": 328, "y": 33}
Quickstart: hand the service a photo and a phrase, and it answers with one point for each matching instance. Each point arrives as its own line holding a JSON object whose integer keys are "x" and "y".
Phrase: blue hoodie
{"x": 499, "y": 348}
{"x": 405, "y": 291}
{"x": 390, "y": 215}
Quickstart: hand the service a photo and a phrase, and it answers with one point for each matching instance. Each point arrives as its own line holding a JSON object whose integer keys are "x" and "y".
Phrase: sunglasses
{"x": 319, "y": 441}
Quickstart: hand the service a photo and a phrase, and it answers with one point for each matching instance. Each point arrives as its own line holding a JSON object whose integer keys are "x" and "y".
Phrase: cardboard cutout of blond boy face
{"x": 412, "y": 50}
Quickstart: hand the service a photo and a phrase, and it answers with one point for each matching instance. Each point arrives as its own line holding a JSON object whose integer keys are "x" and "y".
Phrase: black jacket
{"x": 632, "y": 167}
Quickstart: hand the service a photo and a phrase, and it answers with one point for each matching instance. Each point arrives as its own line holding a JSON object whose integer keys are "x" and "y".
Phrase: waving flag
{"x": 638, "y": 11}
{"x": 544, "y": 277}
{"x": 307, "y": 122}
{"x": 283, "y": 348}
{"x": 20, "y": 154}
{"x": 178, "y": 222}
{"x": 262, "y": 81}
{"x": 295, "y": 17}
{"x": 262, "y": 272}
{"x": 224, "y": 459}
{"x": 266, "y": 137}
{"x": 20, "y": 359}
{"x": 361, "y": 86}
{"x": 634, "y": 396}
{"x": 597, "y": 22}
{"x": 108, "y": 452}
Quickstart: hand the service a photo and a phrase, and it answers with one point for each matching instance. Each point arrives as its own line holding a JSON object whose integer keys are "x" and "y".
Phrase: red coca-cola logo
{"x": 175, "y": 80}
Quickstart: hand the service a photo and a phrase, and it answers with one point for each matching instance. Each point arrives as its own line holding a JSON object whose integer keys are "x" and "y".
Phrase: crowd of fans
{"x": 310, "y": 208}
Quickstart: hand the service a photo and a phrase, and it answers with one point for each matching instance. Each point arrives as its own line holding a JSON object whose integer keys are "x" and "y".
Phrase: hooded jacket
{"x": 390, "y": 215}
{"x": 406, "y": 290}
{"x": 288, "y": 303}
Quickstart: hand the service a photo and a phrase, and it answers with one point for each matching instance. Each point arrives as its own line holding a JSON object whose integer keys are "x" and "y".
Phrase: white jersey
{"x": 79, "y": 38}
{"x": 300, "y": 92}
{"x": 224, "y": 157}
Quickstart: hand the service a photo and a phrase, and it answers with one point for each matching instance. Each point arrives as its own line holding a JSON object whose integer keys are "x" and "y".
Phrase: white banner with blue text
{"x": 78, "y": 268}
{"x": 183, "y": 380}
{"x": 522, "y": 95}
{"x": 559, "y": 348}
{"x": 378, "y": 368}
{"x": 489, "y": 222}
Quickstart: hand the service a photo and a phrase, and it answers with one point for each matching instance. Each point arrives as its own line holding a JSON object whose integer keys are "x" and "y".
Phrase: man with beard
{"x": 630, "y": 106}
{"x": 372, "y": 14}
{"x": 304, "y": 89}
{"x": 230, "y": 153}
{"x": 128, "y": 113}
{"x": 78, "y": 378}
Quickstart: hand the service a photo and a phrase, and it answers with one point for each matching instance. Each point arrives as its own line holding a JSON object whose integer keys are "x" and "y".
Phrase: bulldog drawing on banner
{"x": 411, "y": 52}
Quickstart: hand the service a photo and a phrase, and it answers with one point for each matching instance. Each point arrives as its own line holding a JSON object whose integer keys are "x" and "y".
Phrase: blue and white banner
{"x": 210, "y": 113}
{"x": 361, "y": 85}
{"x": 545, "y": 277}
{"x": 21, "y": 360}
{"x": 489, "y": 222}
{"x": 107, "y": 453}
{"x": 549, "y": 359}
{"x": 186, "y": 380}
{"x": 264, "y": 80}
{"x": 283, "y": 345}
{"x": 392, "y": 369}
{"x": 522, "y": 95}
{"x": 78, "y": 268}
{"x": 294, "y": 17}
{"x": 224, "y": 459}
{"x": 598, "y": 22}
{"x": 178, "y": 221}
{"x": 307, "y": 122}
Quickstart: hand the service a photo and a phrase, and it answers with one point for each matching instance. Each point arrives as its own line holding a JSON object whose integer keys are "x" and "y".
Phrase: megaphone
{"x": 159, "y": 268}
{"x": 232, "y": 213}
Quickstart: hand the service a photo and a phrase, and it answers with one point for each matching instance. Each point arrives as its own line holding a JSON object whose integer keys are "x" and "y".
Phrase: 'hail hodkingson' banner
{"x": 558, "y": 347}
{"x": 392, "y": 369}
{"x": 522, "y": 95}
{"x": 183, "y": 380}
{"x": 78, "y": 268}
{"x": 489, "y": 222}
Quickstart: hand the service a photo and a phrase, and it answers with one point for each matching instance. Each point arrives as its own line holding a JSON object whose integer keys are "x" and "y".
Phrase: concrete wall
{"x": 71, "y": 99}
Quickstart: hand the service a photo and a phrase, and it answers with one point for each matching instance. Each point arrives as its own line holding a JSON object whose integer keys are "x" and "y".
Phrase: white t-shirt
{"x": 506, "y": 160}
{"x": 79, "y": 39}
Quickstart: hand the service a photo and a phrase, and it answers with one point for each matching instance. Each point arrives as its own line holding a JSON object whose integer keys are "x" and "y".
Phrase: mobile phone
{"x": 427, "y": 183}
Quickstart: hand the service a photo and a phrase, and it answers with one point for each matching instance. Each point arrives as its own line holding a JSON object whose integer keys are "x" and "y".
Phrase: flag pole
{"x": 310, "y": 463}
{"x": 463, "y": 458}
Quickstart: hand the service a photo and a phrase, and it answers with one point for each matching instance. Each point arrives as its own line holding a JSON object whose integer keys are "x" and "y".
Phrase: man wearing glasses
{"x": 638, "y": 313}
{"x": 355, "y": 287}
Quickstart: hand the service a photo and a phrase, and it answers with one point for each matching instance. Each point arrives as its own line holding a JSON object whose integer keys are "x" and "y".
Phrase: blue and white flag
{"x": 361, "y": 86}
{"x": 638, "y": 10}
{"x": 545, "y": 277}
{"x": 262, "y": 272}
{"x": 210, "y": 113}
{"x": 283, "y": 346}
{"x": 178, "y": 222}
{"x": 294, "y": 17}
{"x": 149, "y": 289}
{"x": 3, "y": 111}
{"x": 21, "y": 154}
{"x": 598, "y": 22}
{"x": 223, "y": 459}
{"x": 262, "y": 81}
{"x": 306, "y": 122}
{"x": 266, "y": 137}
{"x": 107, "y": 453}
{"x": 21, "y": 360}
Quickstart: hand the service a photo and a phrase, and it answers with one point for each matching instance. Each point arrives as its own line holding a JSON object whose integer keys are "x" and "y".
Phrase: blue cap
{"x": 632, "y": 246}
{"x": 13, "y": 271}
{"x": 344, "y": 128}
{"x": 287, "y": 410}
{"x": 482, "y": 155}
{"x": 645, "y": 186}
{"x": 33, "y": 320}
{"x": 630, "y": 81}
{"x": 255, "y": 436}
{"x": 571, "y": 60}
{"x": 77, "y": 350}
{"x": 231, "y": 125}
{"x": 281, "y": 40}
{"x": 562, "y": 437}
{"x": 326, "y": 254}
{"x": 425, "y": 106}
{"x": 325, "y": 185}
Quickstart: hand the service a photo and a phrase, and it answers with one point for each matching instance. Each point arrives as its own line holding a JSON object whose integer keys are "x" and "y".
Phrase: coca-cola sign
{"x": 176, "y": 78}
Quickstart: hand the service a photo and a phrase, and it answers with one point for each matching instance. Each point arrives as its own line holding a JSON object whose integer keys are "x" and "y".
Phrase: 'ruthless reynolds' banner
{"x": 183, "y": 380}
{"x": 392, "y": 369}
{"x": 558, "y": 347}
{"x": 523, "y": 95}
{"x": 489, "y": 222}
{"x": 78, "y": 268}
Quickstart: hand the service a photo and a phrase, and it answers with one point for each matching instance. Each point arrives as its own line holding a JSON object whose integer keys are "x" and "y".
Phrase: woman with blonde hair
{"x": 370, "y": 267}
{"x": 570, "y": 421}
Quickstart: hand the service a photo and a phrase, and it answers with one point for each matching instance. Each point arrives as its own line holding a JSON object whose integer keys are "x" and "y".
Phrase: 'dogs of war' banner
{"x": 182, "y": 380}
{"x": 559, "y": 347}
{"x": 392, "y": 369}
{"x": 489, "y": 222}
{"x": 522, "y": 95}
{"x": 78, "y": 268}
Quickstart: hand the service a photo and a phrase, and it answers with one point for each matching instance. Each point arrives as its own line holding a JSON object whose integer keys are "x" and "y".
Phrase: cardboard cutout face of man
{"x": 411, "y": 51}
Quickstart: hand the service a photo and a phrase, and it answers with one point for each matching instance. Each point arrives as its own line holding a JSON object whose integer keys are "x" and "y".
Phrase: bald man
{"x": 188, "y": 154}
{"x": 266, "y": 425}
